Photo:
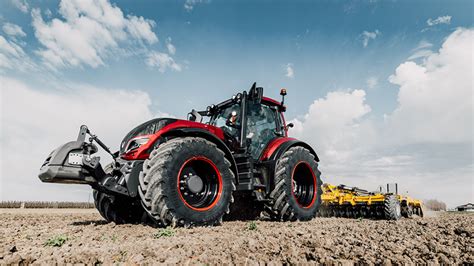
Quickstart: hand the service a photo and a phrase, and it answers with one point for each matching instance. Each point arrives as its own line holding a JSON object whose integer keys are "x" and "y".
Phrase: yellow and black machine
{"x": 353, "y": 202}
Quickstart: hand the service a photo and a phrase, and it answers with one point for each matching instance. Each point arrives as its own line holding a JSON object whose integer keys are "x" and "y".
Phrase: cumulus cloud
{"x": 435, "y": 101}
{"x": 36, "y": 120}
{"x": 439, "y": 20}
{"x": 162, "y": 61}
{"x": 372, "y": 82}
{"x": 88, "y": 32}
{"x": 13, "y": 30}
{"x": 368, "y": 35}
{"x": 335, "y": 125}
{"x": 22, "y": 5}
{"x": 290, "y": 72}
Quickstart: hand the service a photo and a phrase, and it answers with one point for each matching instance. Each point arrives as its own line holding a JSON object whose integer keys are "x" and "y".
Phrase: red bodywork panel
{"x": 142, "y": 152}
{"x": 273, "y": 146}
{"x": 271, "y": 101}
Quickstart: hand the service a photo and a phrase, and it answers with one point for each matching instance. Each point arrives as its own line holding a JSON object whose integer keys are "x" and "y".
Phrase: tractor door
{"x": 262, "y": 127}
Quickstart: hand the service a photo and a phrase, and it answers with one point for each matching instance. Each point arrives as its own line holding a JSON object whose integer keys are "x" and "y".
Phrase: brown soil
{"x": 444, "y": 238}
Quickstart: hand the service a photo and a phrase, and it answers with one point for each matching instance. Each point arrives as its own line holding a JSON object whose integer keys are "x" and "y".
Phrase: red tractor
{"x": 188, "y": 172}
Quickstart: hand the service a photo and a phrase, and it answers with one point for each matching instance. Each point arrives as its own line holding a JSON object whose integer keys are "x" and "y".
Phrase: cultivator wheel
{"x": 297, "y": 187}
{"x": 187, "y": 181}
{"x": 391, "y": 208}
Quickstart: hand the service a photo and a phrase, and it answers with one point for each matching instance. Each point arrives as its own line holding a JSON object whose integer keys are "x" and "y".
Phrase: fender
{"x": 274, "y": 151}
{"x": 203, "y": 133}
{"x": 278, "y": 146}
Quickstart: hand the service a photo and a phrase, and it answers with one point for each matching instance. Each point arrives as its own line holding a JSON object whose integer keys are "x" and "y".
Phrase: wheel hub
{"x": 194, "y": 183}
{"x": 199, "y": 183}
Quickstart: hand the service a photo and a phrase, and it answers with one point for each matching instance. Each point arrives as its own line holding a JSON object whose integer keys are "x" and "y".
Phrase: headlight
{"x": 136, "y": 142}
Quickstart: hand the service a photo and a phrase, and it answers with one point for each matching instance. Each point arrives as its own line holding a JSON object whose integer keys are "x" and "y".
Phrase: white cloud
{"x": 163, "y": 61}
{"x": 13, "y": 57}
{"x": 423, "y": 45}
{"x": 88, "y": 33}
{"x": 372, "y": 82}
{"x": 189, "y": 4}
{"x": 170, "y": 46}
{"x": 420, "y": 54}
{"x": 13, "y": 30}
{"x": 22, "y": 5}
{"x": 334, "y": 125}
{"x": 290, "y": 72}
{"x": 439, "y": 20}
{"x": 35, "y": 120}
{"x": 435, "y": 100}
{"x": 367, "y": 36}
{"x": 421, "y": 51}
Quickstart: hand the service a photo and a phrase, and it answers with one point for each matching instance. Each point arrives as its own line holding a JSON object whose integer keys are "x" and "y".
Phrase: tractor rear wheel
{"x": 392, "y": 208}
{"x": 297, "y": 187}
{"x": 187, "y": 181}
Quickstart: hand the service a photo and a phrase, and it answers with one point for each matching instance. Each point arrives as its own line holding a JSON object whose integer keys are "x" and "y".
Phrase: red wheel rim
{"x": 303, "y": 185}
{"x": 189, "y": 187}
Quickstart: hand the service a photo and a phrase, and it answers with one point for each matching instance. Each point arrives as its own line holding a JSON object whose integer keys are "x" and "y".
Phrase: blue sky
{"x": 321, "y": 51}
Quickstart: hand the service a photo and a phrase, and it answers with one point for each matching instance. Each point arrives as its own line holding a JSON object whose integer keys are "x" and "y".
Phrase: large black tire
{"x": 392, "y": 208}
{"x": 297, "y": 187}
{"x": 170, "y": 192}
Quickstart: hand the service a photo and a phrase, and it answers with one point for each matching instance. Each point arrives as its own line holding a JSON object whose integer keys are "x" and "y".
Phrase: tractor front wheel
{"x": 297, "y": 187}
{"x": 187, "y": 181}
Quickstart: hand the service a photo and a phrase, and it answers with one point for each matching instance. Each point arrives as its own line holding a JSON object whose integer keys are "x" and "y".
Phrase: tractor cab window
{"x": 228, "y": 119}
{"x": 261, "y": 127}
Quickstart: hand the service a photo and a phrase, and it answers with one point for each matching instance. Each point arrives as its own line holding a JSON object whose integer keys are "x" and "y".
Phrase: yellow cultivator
{"x": 352, "y": 202}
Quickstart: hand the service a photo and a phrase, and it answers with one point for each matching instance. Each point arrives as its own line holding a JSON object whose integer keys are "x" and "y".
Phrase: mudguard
{"x": 278, "y": 146}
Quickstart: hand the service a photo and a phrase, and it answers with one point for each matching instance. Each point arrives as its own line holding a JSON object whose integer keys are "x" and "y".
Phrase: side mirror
{"x": 290, "y": 125}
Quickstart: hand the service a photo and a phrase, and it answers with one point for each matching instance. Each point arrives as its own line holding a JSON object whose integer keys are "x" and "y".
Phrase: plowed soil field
{"x": 81, "y": 236}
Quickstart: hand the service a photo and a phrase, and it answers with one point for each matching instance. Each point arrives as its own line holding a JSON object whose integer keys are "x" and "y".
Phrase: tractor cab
{"x": 249, "y": 120}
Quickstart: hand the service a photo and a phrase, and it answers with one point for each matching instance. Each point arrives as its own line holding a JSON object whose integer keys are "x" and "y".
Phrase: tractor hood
{"x": 147, "y": 128}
